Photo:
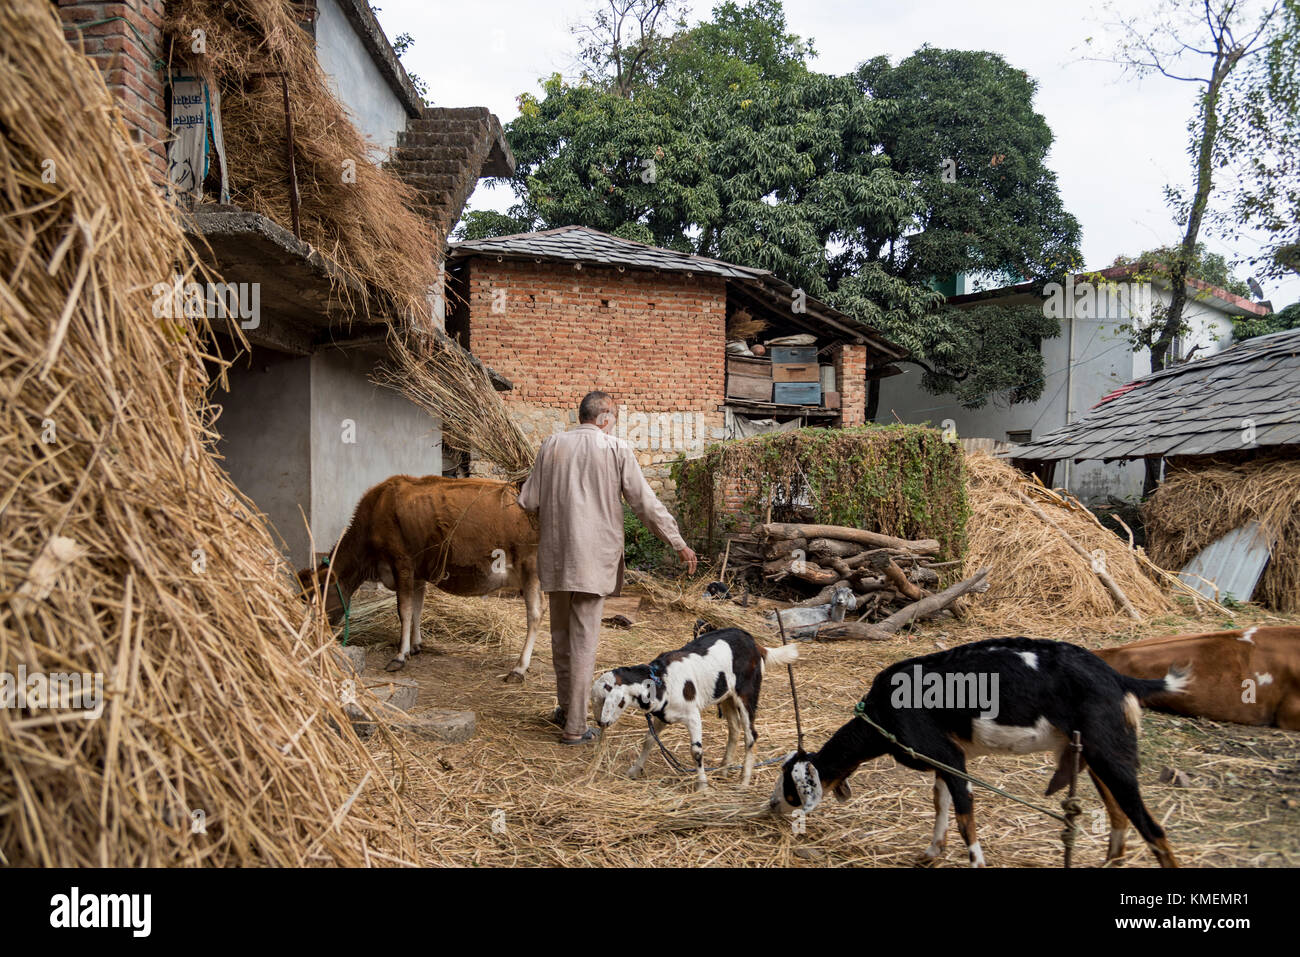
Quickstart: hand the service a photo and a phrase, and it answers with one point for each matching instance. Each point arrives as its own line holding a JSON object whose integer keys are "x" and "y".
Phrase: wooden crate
{"x": 793, "y": 372}
{"x": 800, "y": 354}
{"x": 749, "y": 379}
{"x": 797, "y": 393}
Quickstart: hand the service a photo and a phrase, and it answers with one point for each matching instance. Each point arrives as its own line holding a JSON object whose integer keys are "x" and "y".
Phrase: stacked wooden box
{"x": 791, "y": 377}
{"x": 796, "y": 379}
{"x": 749, "y": 379}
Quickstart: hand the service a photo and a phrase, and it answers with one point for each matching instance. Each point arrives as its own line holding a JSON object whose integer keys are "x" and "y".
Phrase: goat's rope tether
{"x": 794, "y": 693}
{"x": 1071, "y": 805}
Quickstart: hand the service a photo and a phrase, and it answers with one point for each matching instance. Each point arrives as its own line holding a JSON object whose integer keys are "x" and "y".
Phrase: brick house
{"x": 305, "y": 379}
{"x": 565, "y": 311}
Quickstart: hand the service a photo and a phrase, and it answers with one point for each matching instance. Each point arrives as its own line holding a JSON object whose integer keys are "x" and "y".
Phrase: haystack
{"x": 364, "y": 224}
{"x": 1039, "y": 579}
{"x": 454, "y": 389}
{"x": 126, "y": 553}
{"x": 1197, "y": 504}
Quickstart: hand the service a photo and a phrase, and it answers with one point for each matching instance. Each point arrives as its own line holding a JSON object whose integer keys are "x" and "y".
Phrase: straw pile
{"x": 1038, "y": 579}
{"x": 454, "y": 388}
{"x": 1195, "y": 506}
{"x": 367, "y": 227}
{"x": 125, "y": 551}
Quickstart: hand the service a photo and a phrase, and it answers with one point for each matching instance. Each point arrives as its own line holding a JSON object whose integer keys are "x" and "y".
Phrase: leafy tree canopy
{"x": 1205, "y": 266}
{"x": 861, "y": 189}
{"x": 1288, "y": 318}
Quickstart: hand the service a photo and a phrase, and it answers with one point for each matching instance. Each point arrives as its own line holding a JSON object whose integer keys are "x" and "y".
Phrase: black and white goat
{"x": 1001, "y": 696}
{"x": 723, "y": 667}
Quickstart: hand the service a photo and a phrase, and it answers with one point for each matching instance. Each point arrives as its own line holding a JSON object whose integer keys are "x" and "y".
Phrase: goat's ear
{"x": 808, "y": 783}
{"x": 843, "y": 792}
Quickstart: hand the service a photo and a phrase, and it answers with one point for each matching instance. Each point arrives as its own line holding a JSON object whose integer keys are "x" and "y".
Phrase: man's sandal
{"x": 588, "y": 736}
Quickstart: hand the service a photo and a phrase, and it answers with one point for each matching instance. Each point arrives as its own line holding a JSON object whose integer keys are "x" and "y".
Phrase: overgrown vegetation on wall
{"x": 902, "y": 480}
{"x": 642, "y": 549}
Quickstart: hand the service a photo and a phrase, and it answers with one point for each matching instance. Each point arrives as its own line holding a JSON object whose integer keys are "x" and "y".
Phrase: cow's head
{"x": 615, "y": 691}
{"x": 316, "y": 580}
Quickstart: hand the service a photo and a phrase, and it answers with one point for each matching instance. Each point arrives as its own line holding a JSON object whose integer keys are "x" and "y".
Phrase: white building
{"x": 1088, "y": 360}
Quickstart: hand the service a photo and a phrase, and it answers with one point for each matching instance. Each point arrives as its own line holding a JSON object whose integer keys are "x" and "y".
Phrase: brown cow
{"x": 467, "y": 536}
{"x": 1249, "y": 676}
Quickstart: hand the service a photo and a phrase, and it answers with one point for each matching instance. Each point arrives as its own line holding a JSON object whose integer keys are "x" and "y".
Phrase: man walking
{"x": 576, "y": 486}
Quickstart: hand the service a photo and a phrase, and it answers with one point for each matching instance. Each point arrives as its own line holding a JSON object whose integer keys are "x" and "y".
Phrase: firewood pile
{"x": 839, "y": 573}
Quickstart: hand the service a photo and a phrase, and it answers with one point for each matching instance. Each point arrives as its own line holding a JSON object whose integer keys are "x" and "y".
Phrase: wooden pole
{"x": 1101, "y": 573}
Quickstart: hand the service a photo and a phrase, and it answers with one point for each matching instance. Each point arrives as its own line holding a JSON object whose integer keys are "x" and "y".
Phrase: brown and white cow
{"x": 466, "y": 536}
{"x": 1249, "y": 676}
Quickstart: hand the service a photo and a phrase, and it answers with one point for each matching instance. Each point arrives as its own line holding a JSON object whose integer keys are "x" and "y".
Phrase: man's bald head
{"x": 593, "y": 405}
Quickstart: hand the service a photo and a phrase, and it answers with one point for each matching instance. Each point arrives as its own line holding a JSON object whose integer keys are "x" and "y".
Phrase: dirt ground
{"x": 514, "y": 796}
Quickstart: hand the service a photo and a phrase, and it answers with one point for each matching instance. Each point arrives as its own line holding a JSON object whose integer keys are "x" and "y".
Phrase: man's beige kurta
{"x": 576, "y": 486}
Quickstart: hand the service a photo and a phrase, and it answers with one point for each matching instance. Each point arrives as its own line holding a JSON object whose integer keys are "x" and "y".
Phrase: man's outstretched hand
{"x": 688, "y": 557}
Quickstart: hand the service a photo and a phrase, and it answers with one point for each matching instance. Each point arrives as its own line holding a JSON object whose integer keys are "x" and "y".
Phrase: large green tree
{"x": 861, "y": 189}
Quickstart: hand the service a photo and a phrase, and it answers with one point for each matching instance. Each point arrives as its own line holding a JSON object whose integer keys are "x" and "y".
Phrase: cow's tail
{"x": 1140, "y": 689}
{"x": 779, "y": 656}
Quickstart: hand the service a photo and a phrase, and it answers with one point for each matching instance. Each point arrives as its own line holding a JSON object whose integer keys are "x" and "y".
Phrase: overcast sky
{"x": 1119, "y": 140}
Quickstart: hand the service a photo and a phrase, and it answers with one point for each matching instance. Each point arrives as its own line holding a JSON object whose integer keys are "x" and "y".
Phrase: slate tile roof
{"x": 1198, "y": 408}
{"x": 580, "y": 244}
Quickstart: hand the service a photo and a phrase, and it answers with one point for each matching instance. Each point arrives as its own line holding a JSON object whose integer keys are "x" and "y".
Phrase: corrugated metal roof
{"x": 1231, "y": 565}
{"x": 1198, "y": 408}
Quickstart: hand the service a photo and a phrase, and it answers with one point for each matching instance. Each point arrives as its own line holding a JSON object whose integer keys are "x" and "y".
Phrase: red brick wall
{"x": 127, "y": 65}
{"x": 653, "y": 341}
{"x": 851, "y": 375}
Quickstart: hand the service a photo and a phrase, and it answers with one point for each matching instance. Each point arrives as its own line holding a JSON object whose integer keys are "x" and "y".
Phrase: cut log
{"x": 885, "y": 566}
{"x": 1101, "y": 573}
{"x": 831, "y": 546}
{"x": 770, "y": 530}
{"x": 862, "y": 631}
{"x": 785, "y": 546}
{"x": 933, "y": 603}
{"x": 852, "y": 631}
{"x": 803, "y": 570}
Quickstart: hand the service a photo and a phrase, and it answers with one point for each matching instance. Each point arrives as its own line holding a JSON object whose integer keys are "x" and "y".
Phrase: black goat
{"x": 1001, "y": 696}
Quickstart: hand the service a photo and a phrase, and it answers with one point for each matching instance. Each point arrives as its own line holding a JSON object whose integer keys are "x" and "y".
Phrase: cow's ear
{"x": 843, "y": 792}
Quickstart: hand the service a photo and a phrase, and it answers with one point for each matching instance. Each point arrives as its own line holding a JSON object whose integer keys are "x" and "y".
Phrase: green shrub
{"x": 642, "y": 549}
{"x": 901, "y": 480}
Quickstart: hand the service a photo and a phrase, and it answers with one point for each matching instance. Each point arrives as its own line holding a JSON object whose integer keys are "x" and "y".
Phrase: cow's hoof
{"x": 515, "y": 677}
{"x": 702, "y": 786}
{"x": 633, "y": 773}
{"x": 397, "y": 664}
